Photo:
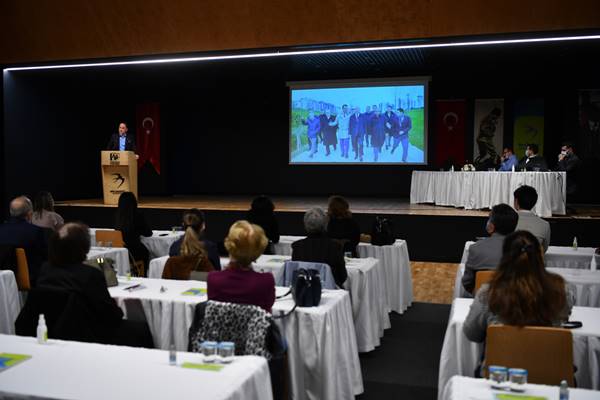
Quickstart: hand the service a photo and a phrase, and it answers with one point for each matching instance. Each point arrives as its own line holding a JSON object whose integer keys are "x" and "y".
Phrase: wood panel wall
{"x": 42, "y": 30}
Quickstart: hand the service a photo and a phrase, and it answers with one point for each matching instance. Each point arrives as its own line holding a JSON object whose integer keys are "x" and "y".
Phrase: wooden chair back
{"x": 546, "y": 353}
{"x": 115, "y": 237}
{"x": 22, "y": 275}
{"x": 482, "y": 277}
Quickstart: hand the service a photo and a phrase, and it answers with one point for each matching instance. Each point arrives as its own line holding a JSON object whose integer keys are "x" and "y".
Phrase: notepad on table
{"x": 204, "y": 367}
{"x": 194, "y": 292}
{"x": 8, "y": 360}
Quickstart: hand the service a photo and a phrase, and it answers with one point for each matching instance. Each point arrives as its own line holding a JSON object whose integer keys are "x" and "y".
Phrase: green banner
{"x": 529, "y": 125}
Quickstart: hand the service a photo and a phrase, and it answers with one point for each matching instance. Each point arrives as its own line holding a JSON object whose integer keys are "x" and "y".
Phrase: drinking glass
{"x": 518, "y": 379}
{"x": 226, "y": 351}
{"x": 209, "y": 349}
{"x": 499, "y": 375}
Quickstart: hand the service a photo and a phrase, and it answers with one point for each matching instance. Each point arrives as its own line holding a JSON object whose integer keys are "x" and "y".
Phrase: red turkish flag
{"x": 450, "y": 132}
{"x": 148, "y": 134}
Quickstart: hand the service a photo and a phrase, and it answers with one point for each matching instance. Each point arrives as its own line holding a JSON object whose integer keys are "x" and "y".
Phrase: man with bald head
{"x": 121, "y": 141}
{"x": 18, "y": 231}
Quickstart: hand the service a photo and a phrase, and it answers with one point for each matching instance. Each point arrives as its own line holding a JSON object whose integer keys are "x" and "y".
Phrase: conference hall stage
{"x": 434, "y": 233}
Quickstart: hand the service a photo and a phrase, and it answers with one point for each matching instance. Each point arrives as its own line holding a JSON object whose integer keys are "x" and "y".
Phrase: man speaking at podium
{"x": 121, "y": 141}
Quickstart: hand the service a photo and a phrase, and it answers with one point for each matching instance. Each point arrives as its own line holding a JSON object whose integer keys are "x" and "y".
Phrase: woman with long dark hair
{"x": 262, "y": 214}
{"x": 341, "y": 225}
{"x": 132, "y": 224}
{"x": 522, "y": 292}
{"x": 43, "y": 212}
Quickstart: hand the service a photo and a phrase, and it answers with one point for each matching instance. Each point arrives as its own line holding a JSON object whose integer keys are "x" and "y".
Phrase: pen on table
{"x": 132, "y": 287}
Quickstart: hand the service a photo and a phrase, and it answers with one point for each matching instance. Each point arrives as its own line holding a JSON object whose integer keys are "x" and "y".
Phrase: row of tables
{"x": 323, "y": 341}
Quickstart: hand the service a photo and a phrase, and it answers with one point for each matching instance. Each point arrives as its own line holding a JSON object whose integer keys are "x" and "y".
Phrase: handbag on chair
{"x": 306, "y": 287}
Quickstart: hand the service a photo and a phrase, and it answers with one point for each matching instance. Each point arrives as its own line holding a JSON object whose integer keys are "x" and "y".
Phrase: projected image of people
{"x": 376, "y": 124}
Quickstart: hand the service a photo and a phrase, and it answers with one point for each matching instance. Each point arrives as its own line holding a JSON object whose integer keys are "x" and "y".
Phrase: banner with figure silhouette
{"x": 529, "y": 125}
{"x": 589, "y": 124}
{"x": 488, "y": 132}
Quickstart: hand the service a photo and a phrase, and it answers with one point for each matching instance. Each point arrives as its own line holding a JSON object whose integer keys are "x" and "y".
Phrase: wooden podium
{"x": 119, "y": 174}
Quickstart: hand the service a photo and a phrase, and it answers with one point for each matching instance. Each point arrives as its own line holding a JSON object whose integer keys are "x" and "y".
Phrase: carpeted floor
{"x": 406, "y": 364}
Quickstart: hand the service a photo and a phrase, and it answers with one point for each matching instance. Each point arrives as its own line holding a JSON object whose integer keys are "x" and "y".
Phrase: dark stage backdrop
{"x": 224, "y": 125}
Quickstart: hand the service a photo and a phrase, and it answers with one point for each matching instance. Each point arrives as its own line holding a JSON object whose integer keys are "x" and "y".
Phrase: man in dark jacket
{"x": 18, "y": 231}
{"x": 121, "y": 141}
{"x": 532, "y": 160}
{"x": 391, "y": 126}
{"x": 569, "y": 163}
{"x": 404, "y": 127}
{"x": 357, "y": 133}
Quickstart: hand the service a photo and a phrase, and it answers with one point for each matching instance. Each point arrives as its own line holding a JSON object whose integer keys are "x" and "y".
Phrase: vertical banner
{"x": 450, "y": 132}
{"x": 529, "y": 125}
{"x": 148, "y": 134}
{"x": 589, "y": 124}
{"x": 488, "y": 131}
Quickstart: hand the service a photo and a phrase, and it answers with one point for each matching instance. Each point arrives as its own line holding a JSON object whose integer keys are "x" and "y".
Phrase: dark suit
{"x": 570, "y": 164}
{"x": 357, "y": 133}
{"x": 211, "y": 249}
{"x": 392, "y": 130}
{"x": 17, "y": 232}
{"x": 531, "y": 163}
{"x": 113, "y": 143}
{"x": 320, "y": 248}
{"x": 345, "y": 229}
{"x": 483, "y": 255}
{"x": 105, "y": 317}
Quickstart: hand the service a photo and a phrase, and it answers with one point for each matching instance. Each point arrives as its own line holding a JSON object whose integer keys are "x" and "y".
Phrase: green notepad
{"x": 204, "y": 367}
{"x": 511, "y": 396}
{"x": 8, "y": 360}
{"x": 194, "y": 292}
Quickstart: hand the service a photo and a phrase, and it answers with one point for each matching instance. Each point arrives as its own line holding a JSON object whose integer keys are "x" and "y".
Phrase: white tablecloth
{"x": 461, "y": 388}
{"x": 75, "y": 370}
{"x": 119, "y": 254}
{"x": 476, "y": 190}
{"x": 158, "y": 244}
{"x": 365, "y": 283}
{"x": 398, "y": 276}
{"x": 393, "y": 259}
{"x": 586, "y": 283}
{"x": 9, "y": 302}
{"x": 460, "y": 356}
{"x": 559, "y": 257}
{"x": 323, "y": 355}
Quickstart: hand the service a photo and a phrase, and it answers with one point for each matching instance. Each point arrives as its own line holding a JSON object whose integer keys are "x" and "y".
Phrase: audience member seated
{"x": 525, "y": 199}
{"x": 318, "y": 247}
{"x": 132, "y": 224}
{"x": 194, "y": 218}
{"x": 486, "y": 254}
{"x": 341, "y": 226}
{"x": 532, "y": 160}
{"x": 193, "y": 256}
{"x": 238, "y": 282}
{"x": 65, "y": 270}
{"x": 18, "y": 231}
{"x": 262, "y": 214}
{"x": 43, "y": 212}
{"x": 522, "y": 292}
{"x": 571, "y": 164}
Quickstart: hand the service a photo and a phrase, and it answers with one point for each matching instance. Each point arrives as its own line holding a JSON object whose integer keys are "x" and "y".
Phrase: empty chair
{"x": 546, "y": 353}
{"x": 482, "y": 277}
{"x": 22, "y": 275}
{"x": 285, "y": 279}
{"x": 114, "y": 237}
